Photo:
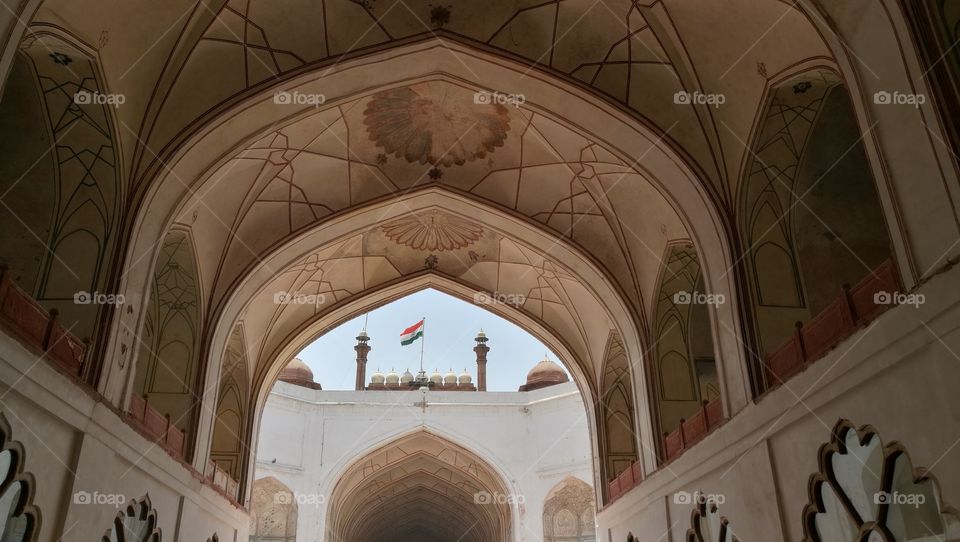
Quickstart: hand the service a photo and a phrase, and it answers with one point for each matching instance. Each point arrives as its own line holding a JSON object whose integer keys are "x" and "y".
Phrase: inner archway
{"x": 500, "y": 415}
{"x": 334, "y": 276}
{"x": 389, "y": 493}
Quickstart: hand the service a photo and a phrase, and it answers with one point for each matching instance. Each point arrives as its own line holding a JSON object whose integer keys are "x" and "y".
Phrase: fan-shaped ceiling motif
{"x": 433, "y": 231}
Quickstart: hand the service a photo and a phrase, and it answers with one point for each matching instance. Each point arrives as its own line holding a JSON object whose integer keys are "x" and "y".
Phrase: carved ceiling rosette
{"x": 868, "y": 492}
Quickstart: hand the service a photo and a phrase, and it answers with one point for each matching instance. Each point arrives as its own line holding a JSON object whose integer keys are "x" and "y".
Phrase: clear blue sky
{"x": 451, "y": 326}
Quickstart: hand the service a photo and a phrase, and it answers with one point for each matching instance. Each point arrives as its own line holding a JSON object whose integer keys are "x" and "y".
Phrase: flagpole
{"x": 423, "y": 342}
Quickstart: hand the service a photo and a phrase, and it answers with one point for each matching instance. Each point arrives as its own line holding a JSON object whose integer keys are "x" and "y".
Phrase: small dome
{"x": 407, "y": 377}
{"x": 435, "y": 377}
{"x": 393, "y": 377}
{"x": 450, "y": 378}
{"x": 546, "y": 373}
{"x": 297, "y": 372}
{"x": 377, "y": 377}
{"x": 465, "y": 377}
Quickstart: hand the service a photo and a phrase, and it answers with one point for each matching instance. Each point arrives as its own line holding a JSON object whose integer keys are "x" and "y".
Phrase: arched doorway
{"x": 391, "y": 492}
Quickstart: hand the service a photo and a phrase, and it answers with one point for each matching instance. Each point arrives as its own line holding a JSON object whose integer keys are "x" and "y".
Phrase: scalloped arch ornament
{"x": 866, "y": 491}
{"x": 137, "y": 522}
{"x": 19, "y": 519}
{"x": 707, "y": 525}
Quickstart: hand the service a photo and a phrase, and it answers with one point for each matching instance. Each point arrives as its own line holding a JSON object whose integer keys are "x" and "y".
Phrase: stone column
{"x": 481, "y": 349}
{"x": 362, "y": 349}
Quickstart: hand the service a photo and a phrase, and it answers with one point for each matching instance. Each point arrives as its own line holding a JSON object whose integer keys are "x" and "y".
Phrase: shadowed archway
{"x": 423, "y": 488}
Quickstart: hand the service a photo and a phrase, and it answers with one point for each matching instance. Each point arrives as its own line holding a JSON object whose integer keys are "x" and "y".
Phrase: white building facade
{"x": 533, "y": 441}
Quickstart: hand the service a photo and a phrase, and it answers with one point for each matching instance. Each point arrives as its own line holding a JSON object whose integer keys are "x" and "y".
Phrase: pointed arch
{"x": 62, "y": 188}
{"x": 808, "y": 195}
{"x": 618, "y": 427}
{"x": 227, "y": 447}
{"x": 683, "y": 363}
{"x": 273, "y": 512}
{"x": 569, "y": 512}
{"x": 420, "y": 469}
{"x": 167, "y": 366}
{"x": 683, "y": 368}
{"x": 203, "y": 154}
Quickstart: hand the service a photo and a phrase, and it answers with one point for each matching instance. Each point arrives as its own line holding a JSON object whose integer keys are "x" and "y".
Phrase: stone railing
{"x": 39, "y": 328}
{"x": 853, "y": 309}
{"x": 157, "y": 426}
{"x": 692, "y": 429}
{"x": 222, "y": 481}
{"x": 625, "y": 481}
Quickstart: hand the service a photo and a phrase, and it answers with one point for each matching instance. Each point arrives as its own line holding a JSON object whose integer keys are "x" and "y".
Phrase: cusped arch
{"x": 865, "y": 489}
{"x": 136, "y": 522}
{"x": 19, "y": 518}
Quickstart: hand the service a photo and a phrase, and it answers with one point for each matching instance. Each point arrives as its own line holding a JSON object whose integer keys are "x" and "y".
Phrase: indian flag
{"x": 412, "y": 333}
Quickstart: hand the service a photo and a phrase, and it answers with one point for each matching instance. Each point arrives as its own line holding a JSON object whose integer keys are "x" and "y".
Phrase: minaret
{"x": 481, "y": 349}
{"x": 362, "y": 349}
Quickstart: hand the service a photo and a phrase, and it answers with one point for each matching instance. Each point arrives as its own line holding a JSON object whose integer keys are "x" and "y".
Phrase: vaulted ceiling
{"x": 181, "y": 62}
{"x": 204, "y": 143}
{"x": 318, "y": 168}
